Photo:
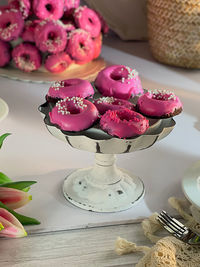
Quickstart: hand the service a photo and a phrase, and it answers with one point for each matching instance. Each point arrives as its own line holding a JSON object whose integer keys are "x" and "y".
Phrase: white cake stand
{"x": 104, "y": 187}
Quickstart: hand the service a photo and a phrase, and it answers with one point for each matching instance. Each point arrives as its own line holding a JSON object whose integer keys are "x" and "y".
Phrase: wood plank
{"x": 86, "y": 247}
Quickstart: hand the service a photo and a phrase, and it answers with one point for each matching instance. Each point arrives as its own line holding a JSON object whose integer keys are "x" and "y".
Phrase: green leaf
{"x": 23, "y": 219}
{"x": 2, "y": 137}
{"x": 21, "y": 185}
{"x": 4, "y": 178}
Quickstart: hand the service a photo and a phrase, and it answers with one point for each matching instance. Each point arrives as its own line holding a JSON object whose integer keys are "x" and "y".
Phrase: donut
{"x": 86, "y": 19}
{"x": 70, "y": 5}
{"x": 26, "y": 57}
{"x": 23, "y": 6}
{"x": 29, "y": 29}
{"x": 4, "y": 8}
{"x": 110, "y": 103}
{"x": 57, "y": 62}
{"x": 48, "y": 9}
{"x": 159, "y": 104}
{"x": 80, "y": 46}
{"x": 5, "y": 55}
{"x": 69, "y": 88}
{"x": 11, "y": 25}
{"x": 73, "y": 114}
{"x": 118, "y": 81}
{"x": 97, "y": 46}
{"x": 50, "y": 36}
{"x": 123, "y": 123}
{"x": 104, "y": 25}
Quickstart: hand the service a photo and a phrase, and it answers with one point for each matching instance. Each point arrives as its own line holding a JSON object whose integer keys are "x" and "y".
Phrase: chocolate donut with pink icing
{"x": 48, "y": 9}
{"x": 80, "y": 46}
{"x": 57, "y": 63}
{"x": 124, "y": 123}
{"x": 5, "y": 55}
{"x": 73, "y": 114}
{"x": 50, "y": 36}
{"x": 86, "y": 19}
{"x": 118, "y": 81}
{"x": 69, "y": 88}
{"x": 159, "y": 104}
{"x": 26, "y": 57}
{"x": 110, "y": 103}
{"x": 23, "y": 6}
{"x": 11, "y": 25}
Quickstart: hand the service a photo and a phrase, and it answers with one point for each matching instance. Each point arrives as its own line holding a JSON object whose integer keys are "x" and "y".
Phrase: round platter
{"x": 87, "y": 71}
{"x": 3, "y": 109}
{"x": 191, "y": 184}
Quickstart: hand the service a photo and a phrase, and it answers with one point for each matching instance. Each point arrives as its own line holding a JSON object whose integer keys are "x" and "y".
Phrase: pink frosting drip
{"x": 158, "y": 103}
{"x": 74, "y": 114}
{"x": 124, "y": 123}
{"x": 70, "y": 88}
{"x": 118, "y": 81}
{"x": 110, "y": 103}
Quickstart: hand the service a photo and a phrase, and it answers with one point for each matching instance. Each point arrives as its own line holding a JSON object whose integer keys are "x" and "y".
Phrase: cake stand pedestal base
{"x": 103, "y": 187}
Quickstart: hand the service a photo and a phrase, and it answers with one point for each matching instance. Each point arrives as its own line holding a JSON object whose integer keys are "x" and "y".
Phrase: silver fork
{"x": 177, "y": 229}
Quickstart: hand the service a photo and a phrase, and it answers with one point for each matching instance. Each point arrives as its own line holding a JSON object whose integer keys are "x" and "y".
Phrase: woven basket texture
{"x": 174, "y": 31}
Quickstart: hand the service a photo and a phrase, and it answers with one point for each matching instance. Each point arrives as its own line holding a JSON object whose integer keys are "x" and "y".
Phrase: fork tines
{"x": 172, "y": 225}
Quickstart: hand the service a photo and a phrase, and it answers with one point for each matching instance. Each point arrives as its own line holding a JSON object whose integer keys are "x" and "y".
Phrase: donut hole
{"x": 49, "y": 7}
{"x": 6, "y": 24}
{"x": 81, "y": 44}
{"x": 52, "y": 36}
{"x": 25, "y": 57}
{"x": 119, "y": 73}
{"x": 90, "y": 20}
{"x": 73, "y": 109}
{"x": 124, "y": 116}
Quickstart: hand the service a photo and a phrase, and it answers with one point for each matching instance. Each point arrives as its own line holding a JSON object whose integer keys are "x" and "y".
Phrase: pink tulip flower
{"x": 14, "y": 198}
{"x": 10, "y": 226}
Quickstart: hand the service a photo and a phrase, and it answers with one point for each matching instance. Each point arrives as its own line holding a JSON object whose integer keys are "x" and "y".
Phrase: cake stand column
{"x": 103, "y": 187}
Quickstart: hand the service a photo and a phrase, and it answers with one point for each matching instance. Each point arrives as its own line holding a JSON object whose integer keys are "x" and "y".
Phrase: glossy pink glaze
{"x": 23, "y": 6}
{"x": 48, "y": 9}
{"x": 124, "y": 123}
{"x": 74, "y": 114}
{"x": 5, "y": 55}
{"x": 50, "y": 36}
{"x": 71, "y": 87}
{"x": 80, "y": 46}
{"x": 57, "y": 63}
{"x": 87, "y": 19}
{"x": 11, "y": 25}
{"x": 118, "y": 81}
{"x": 26, "y": 57}
{"x": 159, "y": 103}
{"x": 110, "y": 103}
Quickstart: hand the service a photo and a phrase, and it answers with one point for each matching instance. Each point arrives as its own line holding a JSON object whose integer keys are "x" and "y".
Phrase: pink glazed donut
{"x": 110, "y": 103}
{"x": 57, "y": 62}
{"x": 69, "y": 88}
{"x": 26, "y": 57}
{"x": 80, "y": 46}
{"x": 86, "y": 19}
{"x": 5, "y": 55}
{"x": 97, "y": 46}
{"x": 11, "y": 25}
{"x": 48, "y": 9}
{"x": 124, "y": 123}
{"x": 50, "y": 36}
{"x": 23, "y": 6}
{"x": 73, "y": 114}
{"x": 118, "y": 81}
{"x": 159, "y": 104}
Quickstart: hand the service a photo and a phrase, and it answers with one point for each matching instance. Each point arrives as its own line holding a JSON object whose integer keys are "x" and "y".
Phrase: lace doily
{"x": 168, "y": 251}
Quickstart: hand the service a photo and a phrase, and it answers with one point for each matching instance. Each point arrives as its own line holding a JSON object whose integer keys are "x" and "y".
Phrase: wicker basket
{"x": 174, "y": 31}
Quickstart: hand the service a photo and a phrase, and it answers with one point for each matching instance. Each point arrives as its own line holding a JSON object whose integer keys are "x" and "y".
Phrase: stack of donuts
{"x": 53, "y": 33}
{"x": 75, "y": 106}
